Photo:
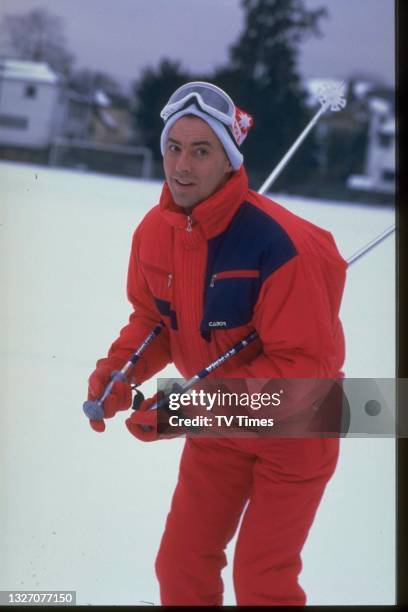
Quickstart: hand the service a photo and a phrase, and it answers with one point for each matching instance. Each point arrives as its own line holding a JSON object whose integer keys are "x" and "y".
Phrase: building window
{"x": 13, "y": 122}
{"x": 384, "y": 140}
{"x": 388, "y": 175}
{"x": 30, "y": 91}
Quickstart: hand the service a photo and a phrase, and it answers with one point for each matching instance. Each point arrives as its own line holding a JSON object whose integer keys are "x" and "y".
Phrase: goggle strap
{"x": 194, "y": 97}
{"x": 194, "y": 101}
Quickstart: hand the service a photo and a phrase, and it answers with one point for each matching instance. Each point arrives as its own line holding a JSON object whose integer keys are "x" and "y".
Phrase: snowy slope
{"x": 84, "y": 511}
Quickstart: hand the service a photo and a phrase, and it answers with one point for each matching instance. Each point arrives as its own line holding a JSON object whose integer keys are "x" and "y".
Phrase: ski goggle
{"x": 209, "y": 98}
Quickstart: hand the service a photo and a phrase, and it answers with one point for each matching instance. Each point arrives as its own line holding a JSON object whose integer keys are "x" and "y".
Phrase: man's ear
{"x": 228, "y": 167}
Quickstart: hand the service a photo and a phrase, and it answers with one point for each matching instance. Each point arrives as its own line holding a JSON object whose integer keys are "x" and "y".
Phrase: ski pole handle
{"x": 94, "y": 408}
{"x": 162, "y": 403}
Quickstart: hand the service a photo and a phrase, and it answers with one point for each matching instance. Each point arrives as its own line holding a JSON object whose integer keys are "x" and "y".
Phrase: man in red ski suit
{"x": 215, "y": 261}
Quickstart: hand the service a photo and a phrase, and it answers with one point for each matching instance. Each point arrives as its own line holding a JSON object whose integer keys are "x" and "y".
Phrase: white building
{"x": 366, "y": 102}
{"x": 30, "y": 96}
{"x": 379, "y": 172}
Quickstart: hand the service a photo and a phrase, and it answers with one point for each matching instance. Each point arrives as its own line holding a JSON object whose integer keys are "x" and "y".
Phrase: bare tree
{"x": 37, "y": 36}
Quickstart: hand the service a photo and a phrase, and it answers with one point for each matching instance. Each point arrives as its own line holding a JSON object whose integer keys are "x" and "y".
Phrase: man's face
{"x": 195, "y": 163}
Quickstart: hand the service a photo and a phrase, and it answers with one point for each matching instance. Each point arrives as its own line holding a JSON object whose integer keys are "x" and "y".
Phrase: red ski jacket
{"x": 239, "y": 262}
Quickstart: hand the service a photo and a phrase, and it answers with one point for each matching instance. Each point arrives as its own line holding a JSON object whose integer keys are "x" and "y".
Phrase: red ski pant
{"x": 282, "y": 479}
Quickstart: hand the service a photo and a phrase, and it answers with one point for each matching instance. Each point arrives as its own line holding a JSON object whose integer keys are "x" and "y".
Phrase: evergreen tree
{"x": 263, "y": 78}
{"x": 151, "y": 92}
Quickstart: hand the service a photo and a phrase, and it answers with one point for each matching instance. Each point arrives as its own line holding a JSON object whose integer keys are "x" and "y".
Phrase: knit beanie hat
{"x": 230, "y": 137}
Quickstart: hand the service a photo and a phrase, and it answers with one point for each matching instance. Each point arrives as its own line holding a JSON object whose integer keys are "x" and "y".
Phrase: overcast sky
{"x": 123, "y": 36}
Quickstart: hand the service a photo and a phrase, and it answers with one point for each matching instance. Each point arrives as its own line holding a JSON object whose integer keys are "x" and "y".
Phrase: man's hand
{"x": 143, "y": 422}
{"x": 120, "y": 397}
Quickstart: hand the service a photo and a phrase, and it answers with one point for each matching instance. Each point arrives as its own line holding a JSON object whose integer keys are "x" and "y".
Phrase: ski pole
{"x": 373, "y": 243}
{"x": 330, "y": 97}
{"x": 208, "y": 369}
{"x": 139, "y": 398}
{"x": 94, "y": 408}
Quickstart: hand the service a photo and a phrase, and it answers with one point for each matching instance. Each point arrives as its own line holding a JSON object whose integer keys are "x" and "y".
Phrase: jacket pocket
{"x": 233, "y": 274}
{"x": 157, "y": 277}
{"x": 230, "y": 299}
{"x": 160, "y": 283}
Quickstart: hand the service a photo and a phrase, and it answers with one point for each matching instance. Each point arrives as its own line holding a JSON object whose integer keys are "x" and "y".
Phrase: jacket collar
{"x": 214, "y": 214}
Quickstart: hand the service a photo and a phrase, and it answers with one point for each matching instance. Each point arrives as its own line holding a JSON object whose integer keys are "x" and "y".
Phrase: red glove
{"x": 151, "y": 418}
{"x": 120, "y": 397}
{"x": 144, "y": 416}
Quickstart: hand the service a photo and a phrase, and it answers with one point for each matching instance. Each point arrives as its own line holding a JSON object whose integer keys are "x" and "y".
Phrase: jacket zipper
{"x": 159, "y": 271}
{"x": 234, "y": 274}
{"x": 189, "y": 223}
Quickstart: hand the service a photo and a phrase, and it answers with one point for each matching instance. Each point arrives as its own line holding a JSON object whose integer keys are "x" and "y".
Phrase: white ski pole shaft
{"x": 373, "y": 243}
{"x": 284, "y": 161}
{"x": 330, "y": 97}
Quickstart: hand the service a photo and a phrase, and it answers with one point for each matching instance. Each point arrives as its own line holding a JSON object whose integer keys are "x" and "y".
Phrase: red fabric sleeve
{"x": 141, "y": 321}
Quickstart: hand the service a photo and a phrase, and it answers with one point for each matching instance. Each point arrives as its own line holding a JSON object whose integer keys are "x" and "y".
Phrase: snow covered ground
{"x": 82, "y": 511}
